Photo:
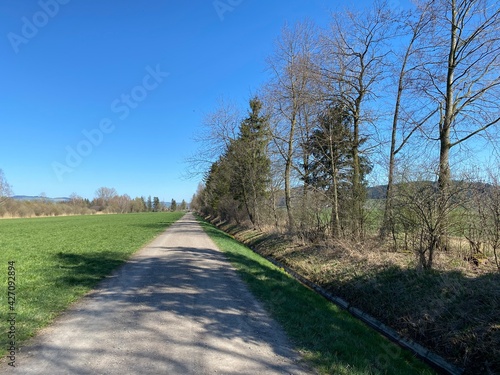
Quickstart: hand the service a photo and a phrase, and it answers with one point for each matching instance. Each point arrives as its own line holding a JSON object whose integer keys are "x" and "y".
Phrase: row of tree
{"x": 380, "y": 92}
{"x": 106, "y": 200}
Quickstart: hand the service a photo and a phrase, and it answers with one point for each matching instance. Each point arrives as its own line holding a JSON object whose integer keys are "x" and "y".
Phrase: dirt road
{"x": 177, "y": 307}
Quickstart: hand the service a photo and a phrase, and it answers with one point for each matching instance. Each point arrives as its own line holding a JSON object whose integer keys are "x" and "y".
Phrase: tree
{"x": 77, "y": 200}
{"x": 5, "y": 189}
{"x": 413, "y": 26}
{"x": 487, "y": 204}
{"x": 219, "y": 128}
{"x": 459, "y": 76}
{"x": 418, "y": 212}
{"x": 216, "y": 186}
{"x": 354, "y": 52}
{"x": 104, "y": 195}
{"x": 331, "y": 163}
{"x": 173, "y": 205}
{"x": 288, "y": 94}
{"x": 121, "y": 204}
{"x": 149, "y": 204}
{"x": 156, "y": 204}
{"x": 198, "y": 200}
{"x": 138, "y": 205}
{"x": 183, "y": 206}
{"x": 249, "y": 162}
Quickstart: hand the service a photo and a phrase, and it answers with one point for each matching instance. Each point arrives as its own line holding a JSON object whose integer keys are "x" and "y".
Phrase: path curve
{"x": 176, "y": 307}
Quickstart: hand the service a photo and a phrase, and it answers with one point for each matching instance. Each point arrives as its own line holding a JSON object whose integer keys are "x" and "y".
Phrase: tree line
{"x": 106, "y": 200}
{"x": 405, "y": 97}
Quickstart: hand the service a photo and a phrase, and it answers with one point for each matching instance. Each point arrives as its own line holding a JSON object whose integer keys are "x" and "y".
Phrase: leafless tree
{"x": 105, "y": 195}
{"x": 418, "y": 211}
{"x": 5, "y": 189}
{"x": 487, "y": 204}
{"x": 354, "y": 51}
{"x": 121, "y": 203}
{"x": 288, "y": 93}
{"x": 220, "y": 127}
{"x": 411, "y": 27}
{"x": 460, "y": 76}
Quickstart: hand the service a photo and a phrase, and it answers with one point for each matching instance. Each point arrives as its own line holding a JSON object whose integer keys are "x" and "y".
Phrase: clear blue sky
{"x": 136, "y": 76}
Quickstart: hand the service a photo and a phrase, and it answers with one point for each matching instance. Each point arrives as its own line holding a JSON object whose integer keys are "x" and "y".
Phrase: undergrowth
{"x": 452, "y": 311}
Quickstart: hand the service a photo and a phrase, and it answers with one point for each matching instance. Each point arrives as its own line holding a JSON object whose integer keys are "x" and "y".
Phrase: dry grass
{"x": 453, "y": 309}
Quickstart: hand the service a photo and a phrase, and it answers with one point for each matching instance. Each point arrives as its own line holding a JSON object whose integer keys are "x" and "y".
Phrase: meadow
{"x": 58, "y": 259}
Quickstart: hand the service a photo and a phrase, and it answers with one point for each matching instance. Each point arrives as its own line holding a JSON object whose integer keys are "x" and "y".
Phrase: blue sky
{"x": 110, "y": 93}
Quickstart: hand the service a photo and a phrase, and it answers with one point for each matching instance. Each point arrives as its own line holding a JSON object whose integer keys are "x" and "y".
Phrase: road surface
{"x": 177, "y": 307}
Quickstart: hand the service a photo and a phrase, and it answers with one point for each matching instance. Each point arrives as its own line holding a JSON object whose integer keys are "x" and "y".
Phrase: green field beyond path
{"x": 58, "y": 259}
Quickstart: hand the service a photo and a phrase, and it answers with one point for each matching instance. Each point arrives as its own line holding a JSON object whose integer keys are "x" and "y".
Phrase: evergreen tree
{"x": 331, "y": 165}
{"x": 156, "y": 204}
{"x": 183, "y": 206}
{"x": 249, "y": 161}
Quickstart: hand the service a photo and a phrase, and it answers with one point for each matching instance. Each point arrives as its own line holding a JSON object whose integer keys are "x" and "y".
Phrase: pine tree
{"x": 332, "y": 166}
{"x": 156, "y": 204}
{"x": 183, "y": 206}
{"x": 249, "y": 161}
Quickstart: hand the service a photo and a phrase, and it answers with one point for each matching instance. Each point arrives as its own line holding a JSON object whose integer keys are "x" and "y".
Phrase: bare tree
{"x": 104, "y": 195}
{"x": 487, "y": 205}
{"x": 461, "y": 77}
{"x": 220, "y": 127}
{"x": 411, "y": 28}
{"x": 121, "y": 203}
{"x": 5, "y": 189}
{"x": 354, "y": 52}
{"x": 419, "y": 213}
{"x": 288, "y": 93}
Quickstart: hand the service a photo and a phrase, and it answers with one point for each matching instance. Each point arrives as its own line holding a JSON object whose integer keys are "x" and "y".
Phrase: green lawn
{"x": 58, "y": 259}
{"x": 329, "y": 338}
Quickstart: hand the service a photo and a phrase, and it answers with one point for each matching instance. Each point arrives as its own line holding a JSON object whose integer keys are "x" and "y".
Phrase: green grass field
{"x": 58, "y": 259}
{"x": 330, "y": 339}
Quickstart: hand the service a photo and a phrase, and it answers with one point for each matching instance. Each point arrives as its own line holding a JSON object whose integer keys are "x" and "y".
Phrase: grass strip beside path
{"x": 330, "y": 339}
{"x": 59, "y": 259}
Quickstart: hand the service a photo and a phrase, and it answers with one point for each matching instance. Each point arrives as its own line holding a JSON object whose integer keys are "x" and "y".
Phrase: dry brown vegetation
{"x": 452, "y": 310}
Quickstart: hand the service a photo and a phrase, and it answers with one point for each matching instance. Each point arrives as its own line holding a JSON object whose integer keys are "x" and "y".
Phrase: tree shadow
{"x": 170, "y": 286}
{"x": 450, "y": 313}
{"x": 86, "y": 270}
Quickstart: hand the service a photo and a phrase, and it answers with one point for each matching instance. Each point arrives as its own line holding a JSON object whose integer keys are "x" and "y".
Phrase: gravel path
{"x": 177, "y": 307}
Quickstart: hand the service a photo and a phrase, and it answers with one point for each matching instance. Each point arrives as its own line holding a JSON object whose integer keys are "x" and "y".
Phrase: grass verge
{"x": 330, "y": 339}
{"x": 59, "y": 259}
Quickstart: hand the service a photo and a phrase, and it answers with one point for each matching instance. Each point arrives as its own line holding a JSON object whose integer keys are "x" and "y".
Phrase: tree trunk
{"x": 335, "y": 207}
{"x": 275, "y": 213}
{"x": 357, "y": 204}
{"x": 444, "y": 179}
{"x": 335, "y": 221}
{"x": 288, "y": 168}
{"x": 388, "y": 222}
{"x": 247, "y": 205}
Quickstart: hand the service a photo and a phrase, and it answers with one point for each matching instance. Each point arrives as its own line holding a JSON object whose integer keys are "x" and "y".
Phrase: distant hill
{"x": 39, "y": 198}
{"x": 379, "y": 192}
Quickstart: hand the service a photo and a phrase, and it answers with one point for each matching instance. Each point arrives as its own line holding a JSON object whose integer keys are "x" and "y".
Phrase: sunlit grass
{"x": 58, "y": 259}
